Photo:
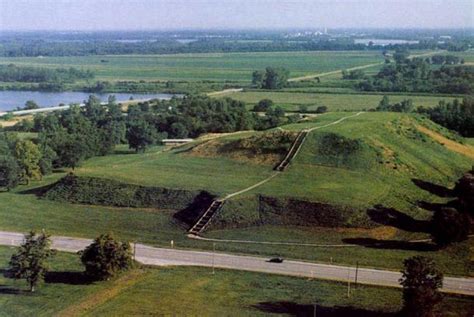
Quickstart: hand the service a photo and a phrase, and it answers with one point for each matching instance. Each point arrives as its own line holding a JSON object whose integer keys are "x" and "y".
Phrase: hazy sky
{"x": 207, "y": 14}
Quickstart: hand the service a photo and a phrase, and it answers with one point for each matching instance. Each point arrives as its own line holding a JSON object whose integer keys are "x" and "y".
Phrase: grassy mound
{"x": 260, "y": 210}
{"x": 375, "y": 160}
{"x": 372, "y": 159}
{"x": 260, "y": 148}
{"x": 106, "y": 192}
{"x": 335, "y": 150}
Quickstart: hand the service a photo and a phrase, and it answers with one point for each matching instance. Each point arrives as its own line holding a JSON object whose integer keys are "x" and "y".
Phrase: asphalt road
{"x": 161, "y": 256}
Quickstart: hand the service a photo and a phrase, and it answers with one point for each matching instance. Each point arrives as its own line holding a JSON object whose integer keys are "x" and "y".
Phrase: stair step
{"x": 206, "y": 217}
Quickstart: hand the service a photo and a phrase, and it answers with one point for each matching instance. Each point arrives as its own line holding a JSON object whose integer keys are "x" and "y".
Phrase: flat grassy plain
{"x": 291, "y": 101}
{"x": 234, "y": 67}
{"x": 181, "y": 291}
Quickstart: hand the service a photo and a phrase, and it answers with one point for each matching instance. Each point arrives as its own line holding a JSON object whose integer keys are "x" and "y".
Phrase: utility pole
{"x": 213, "y": 256}
{"x": 357, "y": 272}
{"x": 348, "y": 282}
{"x": 134, "y": 250}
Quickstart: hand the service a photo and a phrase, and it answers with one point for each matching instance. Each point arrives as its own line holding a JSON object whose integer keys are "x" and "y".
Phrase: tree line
{"x": 103, "y": 259}
{"x": 67, "y": 138}
{"x": 418, "y": 75}
{"x": 19, "y": 47}
{"x": 455, "y": 115}
{"x": 271, "y": 78}
{"x": 27, "y": 74}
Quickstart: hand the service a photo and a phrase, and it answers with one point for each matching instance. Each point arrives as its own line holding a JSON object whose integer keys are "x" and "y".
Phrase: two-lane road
{"x": 161, "y": 256}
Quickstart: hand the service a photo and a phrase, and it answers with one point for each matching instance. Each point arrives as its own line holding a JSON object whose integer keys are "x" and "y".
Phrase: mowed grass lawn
{"x": 236, "y": 67}
{"x": 178, "y": 291}
{"x": 291, "y": 101}
{"x": 176, "y": 169}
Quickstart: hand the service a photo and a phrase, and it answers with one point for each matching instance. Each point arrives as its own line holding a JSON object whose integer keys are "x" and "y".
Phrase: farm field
{"x": 290, "y": 101}
{"x": 177, "y": 291}
{"x": 233, "y": 67}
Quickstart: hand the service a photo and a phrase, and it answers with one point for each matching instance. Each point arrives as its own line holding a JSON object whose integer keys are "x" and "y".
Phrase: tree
{"x": 321, "y": 109}
{"x": 421, "y": 281}
{"x": 257, "y": 78}
{"x": 464, "y": 190}
{"x": 384, "y": 104}
{"x": 47, "y": 157}
{"x": 400, "y": 56}
{"x": 72, "y": 152}
{"x": 28, "y": 157}
{"x": 279, "y": 112}
{"x": 140, "y": 135}
{"x": 275, "y": 78}
{"x": 31, "y": 260}
{"x": 106, "y": 257}
{"x": 9, "y": 172}
{"x": 111, "y": 134}
{"x": 179, "y": 130}
{"x": 271, "y": 78}
{"x": 303, "y": 108}
{"x": 30, "y": 105}
{"x": 448, "y": 226}
{"x": 263, "y": 105}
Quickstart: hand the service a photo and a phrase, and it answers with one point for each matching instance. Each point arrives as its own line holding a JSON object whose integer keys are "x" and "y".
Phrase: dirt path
{"x": 223, "y": 92}
{"x": 454, "y": 146}
{"x": 334, "y": 72}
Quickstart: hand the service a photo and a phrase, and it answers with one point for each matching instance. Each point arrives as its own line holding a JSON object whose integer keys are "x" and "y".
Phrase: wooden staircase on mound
{"x": 294, "y": 149}
{"x": 205, "y": 219}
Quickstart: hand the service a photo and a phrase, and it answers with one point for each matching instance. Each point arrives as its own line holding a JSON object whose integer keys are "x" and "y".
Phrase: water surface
{"x": 10, "y": 100}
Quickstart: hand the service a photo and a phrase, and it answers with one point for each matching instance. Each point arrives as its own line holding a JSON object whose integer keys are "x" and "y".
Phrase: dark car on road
{"x": 276, "y": 260}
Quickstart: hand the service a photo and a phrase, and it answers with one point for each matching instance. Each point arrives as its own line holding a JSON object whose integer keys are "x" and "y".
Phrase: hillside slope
{"x": 377, "y": 159}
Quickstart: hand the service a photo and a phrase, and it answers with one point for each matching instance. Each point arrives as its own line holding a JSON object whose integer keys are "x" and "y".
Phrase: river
{"x": 10, "y": 100}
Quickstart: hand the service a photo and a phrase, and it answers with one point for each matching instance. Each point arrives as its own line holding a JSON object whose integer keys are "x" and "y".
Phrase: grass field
{"x": 235, "y": 67}
{"x": 290, "y": 101}
{"x": 194, "y": 291}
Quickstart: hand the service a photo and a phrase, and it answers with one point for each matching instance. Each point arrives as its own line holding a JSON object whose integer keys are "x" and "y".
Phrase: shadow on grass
{"x": 124, "y": 152}
{"x": 6, "y": 290}
{"x": 194, "y": 210}
{"x": 37, "y": 191}
{"x": 64, "y": 277}
{"x": 294, "y": 309}
{"x": 394, "y": 218}
{"x": 392, "y": 244}
{"x": 71, "y": 278}
{"x": 434, "y": 189}
{"x": 435, "y": 207}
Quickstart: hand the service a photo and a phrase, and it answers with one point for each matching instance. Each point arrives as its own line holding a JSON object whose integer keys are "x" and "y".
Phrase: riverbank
{"x": 11, "y": 100}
